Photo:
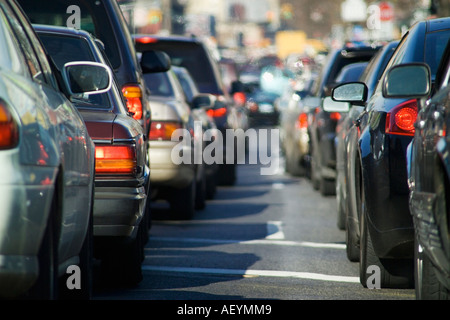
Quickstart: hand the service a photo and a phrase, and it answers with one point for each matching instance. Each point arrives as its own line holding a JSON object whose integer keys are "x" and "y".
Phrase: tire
{"x": 227, "y": 174}
{"x": 46, "y": 285}
{"x": 393, "y": 273}
{"x": 352, "y": 245}
{"x": 327, "y": 187}
{"x": 427, "y": 285}
{"x": 183, "y": 202}
{"x": 200, "y": 193}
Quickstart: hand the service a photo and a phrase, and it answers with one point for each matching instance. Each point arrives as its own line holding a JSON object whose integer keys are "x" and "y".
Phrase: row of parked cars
{"x": 379, "y": 142}
{"x": 87, "y": 117}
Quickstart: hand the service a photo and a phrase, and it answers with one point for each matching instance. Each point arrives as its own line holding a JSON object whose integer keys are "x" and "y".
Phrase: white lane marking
{"x": 274, "y": 230}
{"x": 259, "y": 241}
{"x": 261, "y": 273}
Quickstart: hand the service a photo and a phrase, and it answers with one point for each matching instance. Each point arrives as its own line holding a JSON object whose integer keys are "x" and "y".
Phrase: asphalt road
{"x": 268, "y": 237}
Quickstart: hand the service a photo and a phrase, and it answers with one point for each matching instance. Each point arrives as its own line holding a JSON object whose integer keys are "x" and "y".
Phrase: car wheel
{"x": 341, "y": 212}
{"x": 227, "y": 174}
{"x": 211, "y": 185}
{"x": 46, "y": 285}
{"x": 352, "y": 244}
{"x": 183, "y": 202}
{"x": 200, "y": 193}
{"x": 315, "y": 172}
{"x": 391, "y": 273}
{"x": 327, "y": 187}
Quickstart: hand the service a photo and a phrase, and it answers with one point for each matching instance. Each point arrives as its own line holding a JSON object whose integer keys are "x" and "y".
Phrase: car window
{"x": 193, "y": 57}
{"x": 159, "y": 84}
{"x": 435, "y": 44}
{"x": 93, "y": 18}
{"x": 10, "y": 59}
{"x": 25, "y": 45}
{"x": 65, "y": 49}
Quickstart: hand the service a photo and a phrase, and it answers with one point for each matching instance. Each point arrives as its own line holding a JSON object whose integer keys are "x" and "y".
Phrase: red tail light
{"x": 115, "y": 159}
{"x": 215, "y": 113}
{"x": 252, "y": 106}
{"x": 133, "y": 95}
{"x": 146, "y": 40}
{"x": 163, "y": 130}
{"x": 335, "y": 116}
{"x": 302, "y": 121}
{"x": 401, "y": 119}
{"x": 9, "y": 130}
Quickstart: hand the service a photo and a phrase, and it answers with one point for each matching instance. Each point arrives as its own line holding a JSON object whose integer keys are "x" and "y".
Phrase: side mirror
{"x": 330, "y": 105}
{"x": 203, "y": 100}
{"x": 412, "y": 80}
{"x": 352, "y": 92}
{"x": 153, "y": 61}
{"x": 84, "y": 77}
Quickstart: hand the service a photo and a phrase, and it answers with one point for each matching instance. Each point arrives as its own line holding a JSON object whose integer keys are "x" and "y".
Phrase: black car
{"x": 428, "y": 176}
{"x": 386, "y": 128}
{"x": 322, "y": 129}
{"x": 104, "y": 19}
{"x": 192, "y": 54}
{"x": 262, "y": 109}
{"x": 346, "y": 145}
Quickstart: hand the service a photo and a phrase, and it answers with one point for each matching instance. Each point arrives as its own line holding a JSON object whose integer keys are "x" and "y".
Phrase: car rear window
{"x": 93, "y": 18}
{"x": 159, "y": 84}
{"x": 65, "y": 49}
{"x": 191, "y": 56}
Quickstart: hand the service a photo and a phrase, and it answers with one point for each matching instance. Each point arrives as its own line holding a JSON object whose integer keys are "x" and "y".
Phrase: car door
{"x": 72, "y": 154}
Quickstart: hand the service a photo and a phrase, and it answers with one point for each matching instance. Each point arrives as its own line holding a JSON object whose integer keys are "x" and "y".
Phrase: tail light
{"x": 252, "y": 106}
{"x": 302, "y": 121}
{"x": 335, "y": 116}
{"x": 401, "y": 119}
{"x": 133, "y": 95}
{"x": 9, "y": 129}
{"x": 115, "y": 159}
{"x": 216, "y": 113}
{"x": 163, "y": 130}
{"x": 146, "y": 40}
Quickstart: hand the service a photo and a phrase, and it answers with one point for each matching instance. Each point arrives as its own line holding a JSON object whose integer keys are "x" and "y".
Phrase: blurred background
{"x": 251, "y": 28}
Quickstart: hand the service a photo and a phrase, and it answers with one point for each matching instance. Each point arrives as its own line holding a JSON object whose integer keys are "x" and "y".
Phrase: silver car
{"x": 183, "y": 184}
{"x": 47, "y": 171}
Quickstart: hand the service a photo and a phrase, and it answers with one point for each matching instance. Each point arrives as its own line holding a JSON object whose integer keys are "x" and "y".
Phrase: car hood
{"x": 110, "y": 126}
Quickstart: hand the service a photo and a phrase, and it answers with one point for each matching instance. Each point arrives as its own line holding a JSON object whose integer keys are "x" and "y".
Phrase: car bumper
{"x": 164, "y": 169}
{"x": 25, "y": 201}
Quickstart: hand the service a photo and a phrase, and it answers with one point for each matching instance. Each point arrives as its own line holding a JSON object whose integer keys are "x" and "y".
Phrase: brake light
{"x": 302, "y": 121}
{"x": 133, "y": 96}
{"x": 401, "y": 119}
{"x": 215, "y": 113}
{"x": 146, "y": 40}
{"x": 115, "y": 159}
{"x": 335, "y": 116}
{"x": 9, "y": 129}
{"x": 252, "y": 106}
{"x": 163, "y": 130}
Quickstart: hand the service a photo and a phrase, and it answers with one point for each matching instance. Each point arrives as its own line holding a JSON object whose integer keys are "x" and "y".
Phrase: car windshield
{"x": 159, "y": 84}
{"x": 65, "y": 49}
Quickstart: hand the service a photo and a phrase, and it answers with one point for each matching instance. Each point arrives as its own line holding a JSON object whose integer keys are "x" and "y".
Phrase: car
{"x": 386, "y": 129}
{"x": 193, "y": 54}
{"x": 428, "y": 176}
{"x": 294, "y": 126}
{"x": 104, "y": 19}
{"x": 346, "y": 143}
{"x": 322, "y": 127}
{"x": 262, "y": 108}
{"x": 182, "y": 183}
{"x": 200, "y": 113}
{"x": 47, "y": 156}
{"x": 122, "y": 176}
